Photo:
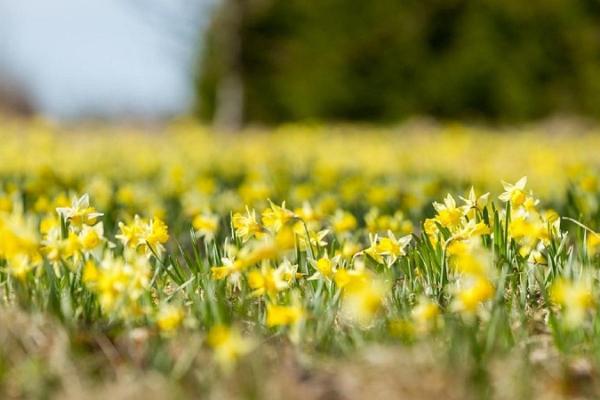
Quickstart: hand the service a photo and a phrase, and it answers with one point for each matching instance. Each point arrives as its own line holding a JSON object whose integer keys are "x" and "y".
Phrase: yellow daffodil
{"x": 80, "y": 212}
{"x": 515, "y": 193}
{"x": 228, "y": 345}
{"x": 575, "y": 297}
{"x": 169, "y": 318}
{"x": 206, "y": 225}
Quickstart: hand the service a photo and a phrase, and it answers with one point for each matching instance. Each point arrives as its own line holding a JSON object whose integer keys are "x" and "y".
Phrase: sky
{"x": 102, "y": 57}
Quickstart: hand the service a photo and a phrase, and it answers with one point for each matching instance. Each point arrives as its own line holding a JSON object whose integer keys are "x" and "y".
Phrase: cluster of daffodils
{"x": 531, "y": 228}
{"x": 121, "y": 282}
{"x": 263, "y": 263}
{"x": 145, "y": 237}
{"x": 287, "y": 261}
{"x": 19, "y": 243}
{"x": 458, "y": 230}
{"x": 338, "y": 262}
{"x": 76, "y": 241}
{"x": 179, "y": 247}
{"x": 71, "y": 241}
{"x": 73, "y": 235}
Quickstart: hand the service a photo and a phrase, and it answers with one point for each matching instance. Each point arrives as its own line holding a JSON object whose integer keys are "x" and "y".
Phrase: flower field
{"x": 306, "y": 262}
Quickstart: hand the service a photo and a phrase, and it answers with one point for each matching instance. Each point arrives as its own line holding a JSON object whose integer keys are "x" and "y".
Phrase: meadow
{"x": 342, "y": 262}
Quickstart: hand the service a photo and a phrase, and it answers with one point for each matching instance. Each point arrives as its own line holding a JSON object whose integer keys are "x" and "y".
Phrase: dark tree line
{"x": 286, "y": 60}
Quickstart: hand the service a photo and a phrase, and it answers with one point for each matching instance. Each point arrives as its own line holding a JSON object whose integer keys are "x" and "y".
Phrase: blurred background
{"x": 239, "y": 62}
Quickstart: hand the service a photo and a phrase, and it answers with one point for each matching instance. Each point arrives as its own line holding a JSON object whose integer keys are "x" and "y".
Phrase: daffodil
{"x": 471, "y": 229}
{"x": 91, "y": 237}
{"x": 474, "y": 292}
{"x": 349, "y": 249}
{"x": 310, "y": 238}
{"x": 431, "y": 229}
{"x": 278, "y": 315}
{"x": 575, "y": 297}
{"x": 147, "y": 237}
{"x": 387, "y": 249}
{"x": 353, "y": 278}
{"x": 228, "y": 345}
{"x": 268, "y": 281}
{"x": 363, "y": 299}
{"x": 449, "y": 215}
{"x": 325, "y": 267}
{"x": 80, "y": 212}
{"x": 593, "y": 243}
{"x": 246, "y": 226}
{"x": 514, "y": 193}
{"x": 230, "y": 268}
{"x": 19, "y": 265}
{"x": 206, "y": 225}
{"x": 426, "y": 315}
{"x": 469, "y": 257}
{"x": 275, "y": 217}
{"x": 169, "y": 318}
{"x": 119, "y": 282}
{"x": 474, "y": 202}
{"x": 343, "y": 222}
{"x": 309, "y": 216}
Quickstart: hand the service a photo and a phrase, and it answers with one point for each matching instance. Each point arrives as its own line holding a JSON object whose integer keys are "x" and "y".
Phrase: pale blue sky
{"x": 102, "y": 57}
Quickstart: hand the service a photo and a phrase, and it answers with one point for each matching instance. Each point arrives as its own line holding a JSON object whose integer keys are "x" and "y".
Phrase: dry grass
{"x": 39, "y": 361}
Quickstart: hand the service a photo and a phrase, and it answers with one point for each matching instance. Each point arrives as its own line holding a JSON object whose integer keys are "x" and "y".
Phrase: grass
{"x": 305, "y": 263}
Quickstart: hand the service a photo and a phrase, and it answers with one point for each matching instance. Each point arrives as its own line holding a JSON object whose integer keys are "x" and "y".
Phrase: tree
{"x": 502, "y": 60}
